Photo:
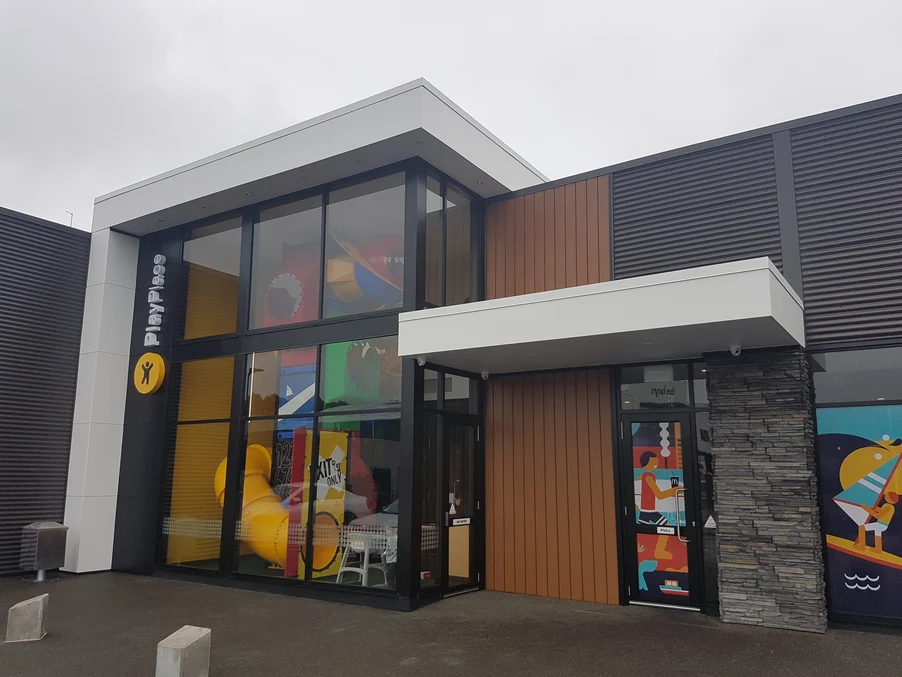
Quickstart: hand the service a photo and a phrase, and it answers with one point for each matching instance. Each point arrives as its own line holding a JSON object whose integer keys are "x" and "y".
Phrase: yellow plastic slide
{"x": 264, "y": 520}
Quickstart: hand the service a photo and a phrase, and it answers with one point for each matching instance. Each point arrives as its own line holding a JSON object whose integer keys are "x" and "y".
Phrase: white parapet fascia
{"x": 675, "y": 315}
{"x": 413, "y": 120}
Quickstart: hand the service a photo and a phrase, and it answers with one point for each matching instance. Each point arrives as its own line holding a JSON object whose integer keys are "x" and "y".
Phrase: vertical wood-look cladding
{"x": 550, "y": 509}
{"x": 43, "y": 270}
{"x": 549, "y": 240}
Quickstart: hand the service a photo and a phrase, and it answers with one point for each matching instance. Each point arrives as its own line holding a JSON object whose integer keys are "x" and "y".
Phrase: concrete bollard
{"x": 27, "y": 621}
{"x": 185, "y": 653}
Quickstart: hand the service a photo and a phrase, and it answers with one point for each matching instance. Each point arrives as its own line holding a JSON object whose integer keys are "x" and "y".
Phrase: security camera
{"x": 735, "y": 349}
{"x": 485, "y": 376}
{"x": 421, "y": 360}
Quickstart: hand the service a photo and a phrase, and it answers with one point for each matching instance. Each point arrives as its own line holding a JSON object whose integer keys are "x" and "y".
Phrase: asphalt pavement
{"x": 104, "y": 625}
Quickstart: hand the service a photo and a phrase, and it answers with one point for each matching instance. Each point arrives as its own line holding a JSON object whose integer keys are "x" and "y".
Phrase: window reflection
{"x": 211, "y": 259}
{"x": 365, "y": 247}
{"x": 459, "y": 279}
{"x": 858, "y": 375}
{"x": 198, "y": 444}
{"x": 359, "y": 374}
{"x": 355, "y": 533}
{"x": 285, "y": 275}
{"x": 656, "y": 386}
{"x": 434, "y": 239}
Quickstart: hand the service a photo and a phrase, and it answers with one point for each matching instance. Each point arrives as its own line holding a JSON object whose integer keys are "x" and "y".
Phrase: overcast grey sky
{"x": 97, "y": 94}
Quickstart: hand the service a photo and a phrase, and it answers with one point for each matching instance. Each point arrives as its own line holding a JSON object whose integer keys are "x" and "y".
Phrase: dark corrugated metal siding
{"x": 43, "y": 271}
{"x": 848, "y": 185}
{"x": 712, "y": 206}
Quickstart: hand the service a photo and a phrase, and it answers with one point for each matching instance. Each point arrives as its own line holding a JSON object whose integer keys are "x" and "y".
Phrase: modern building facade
{"x": 378, "y": 357}
{"x": 43, "y": 268}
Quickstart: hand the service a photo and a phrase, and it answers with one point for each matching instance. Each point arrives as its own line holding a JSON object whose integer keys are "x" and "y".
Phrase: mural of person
{"x": 882, "y": 517}
{"x": 651, "y": 492}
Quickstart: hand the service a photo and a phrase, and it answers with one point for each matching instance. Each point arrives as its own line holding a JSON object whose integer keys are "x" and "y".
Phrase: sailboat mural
{"x": 860, "y": 459}
{"x": 867, "y": 492}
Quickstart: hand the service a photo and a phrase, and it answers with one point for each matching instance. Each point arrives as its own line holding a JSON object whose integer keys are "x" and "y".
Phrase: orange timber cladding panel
{"x": 551, "y": 515}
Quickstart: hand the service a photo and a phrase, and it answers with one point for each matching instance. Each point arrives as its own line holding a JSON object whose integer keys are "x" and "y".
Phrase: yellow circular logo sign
{"x": 149, "y": 373}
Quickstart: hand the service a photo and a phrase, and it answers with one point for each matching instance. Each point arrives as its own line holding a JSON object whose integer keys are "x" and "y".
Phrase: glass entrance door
{"x": 662, "y": 531}
{"x": 462, "y": 504}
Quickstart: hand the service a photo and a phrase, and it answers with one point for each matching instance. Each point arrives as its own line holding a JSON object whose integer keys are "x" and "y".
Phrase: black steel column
{"x": 410, "y": 493}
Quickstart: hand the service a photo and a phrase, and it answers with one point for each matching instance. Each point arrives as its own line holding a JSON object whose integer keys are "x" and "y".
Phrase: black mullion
{"x": 204, "y": 421}
{"x": 414, "y": 240}
{"x": 410, "y": 514}
{"x": 314, "y": 467}
{"x": 862, "y": 403}
{"x": 322, "y": 256}
{"x": 324, "y": 413}
{"x": 245, "y": 269}
{"x": 307, "y": 335}
{"x": 443, "y": 187}
{"x": 441, "y": 500}
{"x": 228, "y": 543}
{"x": 440, "y": 390}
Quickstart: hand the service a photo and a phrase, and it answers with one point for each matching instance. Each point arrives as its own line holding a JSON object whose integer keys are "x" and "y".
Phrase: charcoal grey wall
{"x": 43, "y": 271}
{"x": 710, "y": 206}
{"x": 769, "y": 550}
{"x": 848, "y": 193}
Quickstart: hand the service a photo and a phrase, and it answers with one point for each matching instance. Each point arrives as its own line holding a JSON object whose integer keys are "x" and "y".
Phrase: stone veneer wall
{"x": 769, "y": 549}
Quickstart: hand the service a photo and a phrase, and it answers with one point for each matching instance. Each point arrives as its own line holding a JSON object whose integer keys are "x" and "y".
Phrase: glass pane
{"x": 663, "y": 568}
{"x": 434, "y": 239}
{"x": 358, "y": 374}
{"x": 859, "y": 453}
{"x": 274, "y": 497}
{"x": 858, "y": 375}
{"x": 194, "y": 488}
{"x": 658, "y": 473}
{"x": 431, "y": 380}
{"x": 204, "y": 389}
{"x": 457, "y": 393}
{"x": 355, "y": 533}
{"x": 705, "y": 456}
{"x": 658, "y": 386}
{"x": 700, "y": 384}
{"x": 460, "y": 445}
{"x": 365, "y": 247}
{"x": 429, "y": 571}
{"x": 282, "y": 382}
{"x": 286, "y": 266}
{"x": 459, "y": 251}
{"x": 212, "y": 258}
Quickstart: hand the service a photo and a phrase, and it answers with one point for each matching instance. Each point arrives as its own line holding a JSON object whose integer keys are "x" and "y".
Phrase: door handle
{"x": 680, "y": 493}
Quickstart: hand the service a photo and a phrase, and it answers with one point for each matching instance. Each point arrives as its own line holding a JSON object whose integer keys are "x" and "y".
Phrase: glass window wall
{"x": 211, "y": 261}
{"x": 194, "y": 482}
{"x": 460, "y": 281}
{"x": 365, "y": 247}
{"x": 858, "y": 376}
{"x": 285, "y": 274}
{"x": 361, "y": 374}
{"x": 434, "y": 241}
{"x": 859, "y": 454}
{"x": 449, "y": 259}
{"x": 655, "y": 386}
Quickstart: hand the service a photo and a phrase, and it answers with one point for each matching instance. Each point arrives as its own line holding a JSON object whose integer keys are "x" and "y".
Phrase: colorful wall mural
{"x": 662, "y": 558}
{"x": 860, "y": 460}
